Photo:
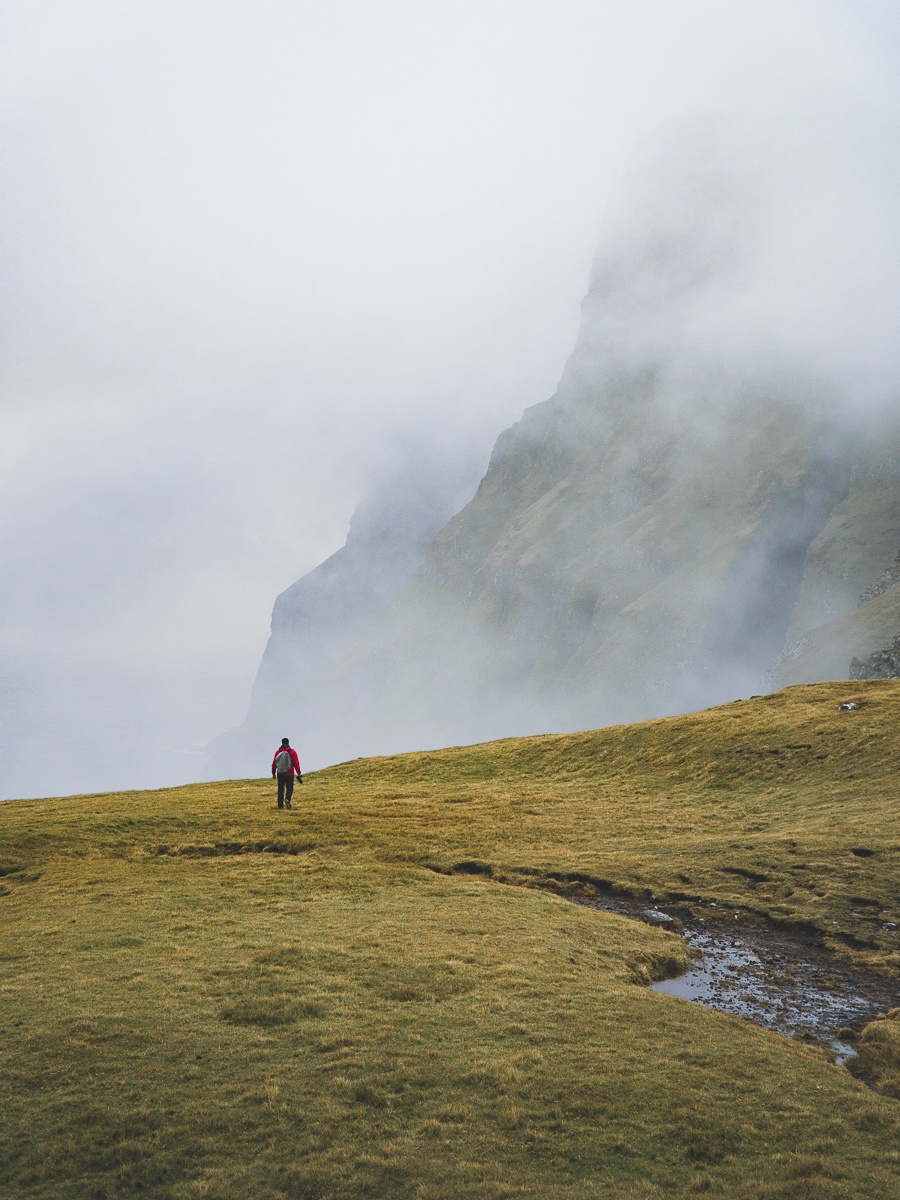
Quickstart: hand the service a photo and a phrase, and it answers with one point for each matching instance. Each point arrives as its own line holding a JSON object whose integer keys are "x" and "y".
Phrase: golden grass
{"x": 203, "y": 996}
{"x": 878, "y": 1058}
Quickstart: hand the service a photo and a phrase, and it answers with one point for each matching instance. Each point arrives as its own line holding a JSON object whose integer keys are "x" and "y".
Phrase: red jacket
{"x": 295, "y": 763}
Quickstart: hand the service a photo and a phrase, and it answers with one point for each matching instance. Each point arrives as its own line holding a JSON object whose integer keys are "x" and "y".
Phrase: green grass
{"x": 376, "y": 994}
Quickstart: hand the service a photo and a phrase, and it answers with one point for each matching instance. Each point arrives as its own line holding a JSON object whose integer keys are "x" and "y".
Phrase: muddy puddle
{"x": 792, "y": 985}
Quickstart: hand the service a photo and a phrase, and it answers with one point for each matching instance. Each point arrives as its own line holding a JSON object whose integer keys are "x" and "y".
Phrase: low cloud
{"x": 254, "y": 255}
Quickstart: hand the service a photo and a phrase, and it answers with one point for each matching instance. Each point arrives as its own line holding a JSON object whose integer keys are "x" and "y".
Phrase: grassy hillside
{"x": 205, "y": 997}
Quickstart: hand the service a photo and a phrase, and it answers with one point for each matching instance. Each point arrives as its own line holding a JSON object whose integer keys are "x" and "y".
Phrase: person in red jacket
{"x": 284, "y": 764}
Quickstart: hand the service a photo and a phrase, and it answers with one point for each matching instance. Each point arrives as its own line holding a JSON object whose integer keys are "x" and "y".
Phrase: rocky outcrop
{"x": 885, "y": 580}
{"x": 827, "y": 651}
{"x": 883, "y": 664}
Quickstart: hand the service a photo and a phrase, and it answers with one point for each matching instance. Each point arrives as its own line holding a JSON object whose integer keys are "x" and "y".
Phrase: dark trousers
{"x": 285, "y": 788}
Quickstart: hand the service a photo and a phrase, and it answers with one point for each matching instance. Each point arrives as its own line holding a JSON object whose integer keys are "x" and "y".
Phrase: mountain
{"x": 389, "y": 534}
{"x": 667, "y": 532}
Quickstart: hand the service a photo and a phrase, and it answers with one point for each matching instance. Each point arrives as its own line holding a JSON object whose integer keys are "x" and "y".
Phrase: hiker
{"x": 284, "y": 764}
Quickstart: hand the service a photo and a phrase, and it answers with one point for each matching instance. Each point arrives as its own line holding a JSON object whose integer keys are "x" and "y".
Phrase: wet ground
{"x": 792, "y": 985}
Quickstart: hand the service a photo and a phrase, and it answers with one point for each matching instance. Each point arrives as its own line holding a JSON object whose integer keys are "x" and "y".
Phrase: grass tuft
{"x": 261, "y": 1011}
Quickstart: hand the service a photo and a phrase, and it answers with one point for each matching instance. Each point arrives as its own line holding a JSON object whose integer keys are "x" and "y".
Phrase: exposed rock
{"x": 883, "y": 664}
{"x": 828, "y": 649}
{"x": 652, "y": 916}
{"x": 885, "y": 580}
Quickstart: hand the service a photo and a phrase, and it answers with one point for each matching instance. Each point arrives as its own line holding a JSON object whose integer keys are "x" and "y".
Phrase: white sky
{"x": 247, "y": 248}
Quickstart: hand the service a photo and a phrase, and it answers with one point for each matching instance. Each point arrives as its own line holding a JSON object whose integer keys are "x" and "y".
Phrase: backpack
{"x": 283, "y": 763}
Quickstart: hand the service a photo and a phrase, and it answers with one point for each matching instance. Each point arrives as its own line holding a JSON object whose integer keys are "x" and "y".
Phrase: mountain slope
{"x": 667, "y": 532}
{"x": 619, "y": 560}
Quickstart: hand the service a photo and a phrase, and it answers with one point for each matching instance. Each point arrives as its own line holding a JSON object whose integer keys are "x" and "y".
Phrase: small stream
{"x": 789, "y": 984}
{"x": 775, "y": 991}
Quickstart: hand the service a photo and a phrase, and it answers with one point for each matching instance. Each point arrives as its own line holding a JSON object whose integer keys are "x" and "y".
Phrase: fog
{"x": 256, "y": 257}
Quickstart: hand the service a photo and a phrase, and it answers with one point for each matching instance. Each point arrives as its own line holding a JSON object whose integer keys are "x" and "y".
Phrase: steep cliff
{"x": 386, "y": 544}
{"x": 619, "y": 560}
{"x": 655, "y": 538}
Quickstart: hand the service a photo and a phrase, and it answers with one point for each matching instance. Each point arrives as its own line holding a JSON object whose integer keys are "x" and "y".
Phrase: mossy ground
{"x": 205, "y": 997}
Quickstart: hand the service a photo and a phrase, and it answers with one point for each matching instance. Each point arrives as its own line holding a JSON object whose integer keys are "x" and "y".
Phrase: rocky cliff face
{"x": 655, "y": 538}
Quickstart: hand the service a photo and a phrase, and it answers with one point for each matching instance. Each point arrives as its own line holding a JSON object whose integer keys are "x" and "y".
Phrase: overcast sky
{"x": 248, "y": 250}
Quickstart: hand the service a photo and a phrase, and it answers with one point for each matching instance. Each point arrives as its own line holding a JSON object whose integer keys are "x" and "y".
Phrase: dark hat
{"x": 285, "y": 741}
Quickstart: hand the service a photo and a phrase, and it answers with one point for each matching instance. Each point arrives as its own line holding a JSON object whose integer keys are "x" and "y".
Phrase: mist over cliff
{"x": 264, "y": 264}
{"x": 704, "y": 490}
